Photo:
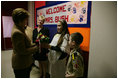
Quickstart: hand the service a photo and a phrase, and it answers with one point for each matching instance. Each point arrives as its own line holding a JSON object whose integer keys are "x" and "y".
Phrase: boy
{"x": 75, "y": 65}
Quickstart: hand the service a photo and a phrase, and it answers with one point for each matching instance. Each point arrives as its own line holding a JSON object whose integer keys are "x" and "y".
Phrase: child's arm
{"x": 61, "y": 48}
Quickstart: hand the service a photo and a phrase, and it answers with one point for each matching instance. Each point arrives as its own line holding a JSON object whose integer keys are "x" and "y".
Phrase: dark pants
{"x": 22, "y": 73}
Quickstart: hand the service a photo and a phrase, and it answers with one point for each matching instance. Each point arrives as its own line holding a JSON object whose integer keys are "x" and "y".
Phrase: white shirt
{"x": 53, "y": 55}
{"x": 57, "y": 67}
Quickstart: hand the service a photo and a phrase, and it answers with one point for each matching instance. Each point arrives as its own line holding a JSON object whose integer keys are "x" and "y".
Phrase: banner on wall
{"x": 73, "y": 12}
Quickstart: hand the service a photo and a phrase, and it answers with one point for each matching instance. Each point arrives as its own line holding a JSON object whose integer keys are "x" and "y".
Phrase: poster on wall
{"x": 75, "y": 12}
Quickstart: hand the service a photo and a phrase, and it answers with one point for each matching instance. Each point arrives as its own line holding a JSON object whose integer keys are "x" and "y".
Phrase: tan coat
{"x": 22, "y": 49}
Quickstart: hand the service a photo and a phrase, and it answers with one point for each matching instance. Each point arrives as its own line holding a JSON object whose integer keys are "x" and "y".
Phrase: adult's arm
{"x": 20, "y": 45}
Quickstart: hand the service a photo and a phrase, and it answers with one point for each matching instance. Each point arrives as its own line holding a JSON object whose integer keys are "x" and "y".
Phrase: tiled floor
{"x": 6, "y": 68}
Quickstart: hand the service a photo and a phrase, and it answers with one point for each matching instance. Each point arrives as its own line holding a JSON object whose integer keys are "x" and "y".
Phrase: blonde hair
{"x": 42, "y": 18}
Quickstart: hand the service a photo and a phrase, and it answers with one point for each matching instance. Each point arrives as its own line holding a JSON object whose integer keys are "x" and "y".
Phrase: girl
{"x": 57, "y": 48}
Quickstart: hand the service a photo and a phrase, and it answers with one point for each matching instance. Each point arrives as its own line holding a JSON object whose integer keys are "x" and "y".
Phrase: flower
{"x": 42, "y": 38}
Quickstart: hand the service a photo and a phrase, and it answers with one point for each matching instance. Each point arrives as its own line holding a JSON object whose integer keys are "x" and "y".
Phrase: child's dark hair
{"x": 77, "y": 37}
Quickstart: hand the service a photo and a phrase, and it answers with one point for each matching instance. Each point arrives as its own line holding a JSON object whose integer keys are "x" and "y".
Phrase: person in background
{"x": 22, "y": 48}
{"x": 41, "y": 56}
{"x": 58, "y": 49}
{"x": 75, "y": 65}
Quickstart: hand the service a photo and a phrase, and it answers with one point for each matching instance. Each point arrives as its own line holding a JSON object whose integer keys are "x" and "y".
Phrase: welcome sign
{"x": 73, "y": 12}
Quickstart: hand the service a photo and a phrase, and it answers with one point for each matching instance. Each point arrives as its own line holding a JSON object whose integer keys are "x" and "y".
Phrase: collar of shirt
{"x": 74, "y": 51}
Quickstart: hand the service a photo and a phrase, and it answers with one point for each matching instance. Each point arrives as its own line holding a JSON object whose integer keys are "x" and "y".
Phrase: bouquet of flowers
{"x": 42, "y": 38}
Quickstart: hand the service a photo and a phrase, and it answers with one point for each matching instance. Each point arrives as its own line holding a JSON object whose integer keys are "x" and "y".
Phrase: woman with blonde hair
{"x": 41, "y": 57}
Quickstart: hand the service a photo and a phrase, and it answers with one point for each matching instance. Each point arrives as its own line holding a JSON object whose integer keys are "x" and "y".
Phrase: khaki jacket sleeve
{"x": 20, "y": 45}
{"x": 78, "y": 66}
